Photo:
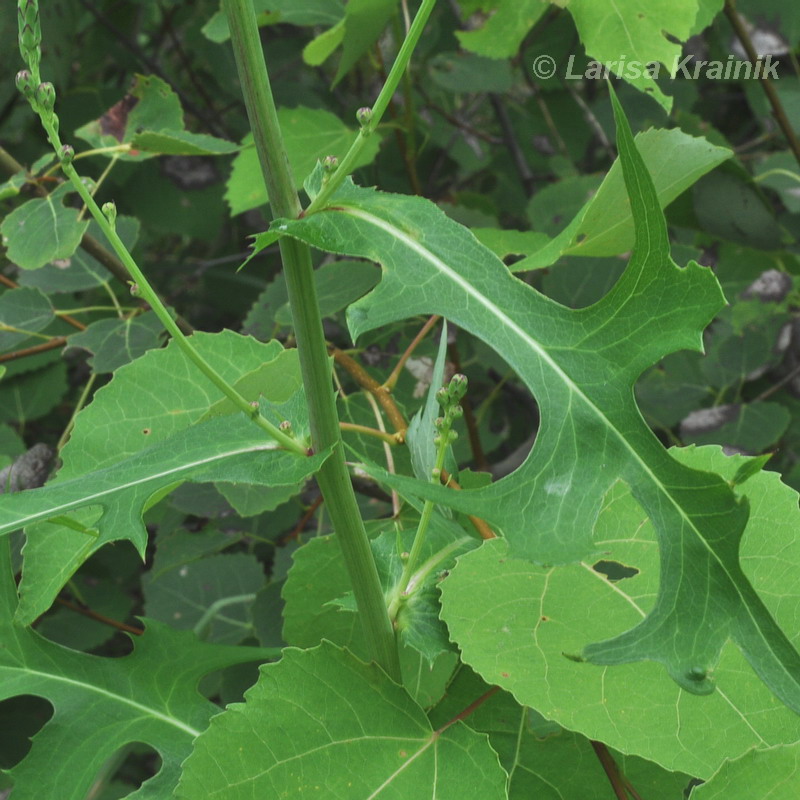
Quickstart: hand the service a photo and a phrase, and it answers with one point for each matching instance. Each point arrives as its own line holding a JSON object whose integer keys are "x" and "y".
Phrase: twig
{"x": 391, "y": 381}
{"x": 51, "y": 344}
{"x": 87, "y": 612}
{"x": 769, "y": 89}
{"x": 510, "y": 137}
{"x": 369, "y": 383}
{"x": 295, "y": 532}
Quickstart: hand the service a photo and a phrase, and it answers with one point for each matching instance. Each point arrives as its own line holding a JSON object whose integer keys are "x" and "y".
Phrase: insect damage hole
{"x": 614, "y": 571}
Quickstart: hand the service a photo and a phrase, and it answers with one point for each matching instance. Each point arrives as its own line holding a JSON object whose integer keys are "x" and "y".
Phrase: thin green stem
{"x": 422, "y": 528}
{"x": 149, "y": 295}
{"x": 333, "y": 477}
{"x": 347, "y": 164}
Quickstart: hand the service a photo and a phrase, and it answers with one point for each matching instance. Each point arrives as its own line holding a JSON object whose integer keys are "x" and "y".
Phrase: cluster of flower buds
{"x": 449, "y": 398}
{"x": 30, "y": 35}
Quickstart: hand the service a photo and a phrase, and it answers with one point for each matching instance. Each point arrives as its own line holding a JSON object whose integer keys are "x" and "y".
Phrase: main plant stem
{"x": 333, "y": 477}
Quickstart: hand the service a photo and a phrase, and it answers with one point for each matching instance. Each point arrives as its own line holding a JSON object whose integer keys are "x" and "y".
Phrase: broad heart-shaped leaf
{"x": 229, "y": 448}
{"x": 515, "y": 621}
{"x": 102, "y": 704}
{"x": 581, "y": 366}
{"x": 321, "y": 723}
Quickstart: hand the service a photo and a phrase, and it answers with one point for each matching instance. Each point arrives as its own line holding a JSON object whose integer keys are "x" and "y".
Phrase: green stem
{"x": 422, "y": 529}
{"x": 333, "y": 478}
{"x": 149, "y": 295}
{"x": 347, "y": 164}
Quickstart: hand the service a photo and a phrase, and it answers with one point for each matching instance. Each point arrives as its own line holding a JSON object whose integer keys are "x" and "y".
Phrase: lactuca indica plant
{"x": 607, "y": 596}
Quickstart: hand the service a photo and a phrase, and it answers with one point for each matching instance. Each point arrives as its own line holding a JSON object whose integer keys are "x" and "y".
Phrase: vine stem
{"x": 315, "y": 365}
{"x": 347, "y": 164}
{"x": 150, "y": 296}
{"x": 769, "y": 89}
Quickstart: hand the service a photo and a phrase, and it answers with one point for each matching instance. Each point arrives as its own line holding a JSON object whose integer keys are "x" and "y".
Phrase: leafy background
{"x": 524, "y": 164}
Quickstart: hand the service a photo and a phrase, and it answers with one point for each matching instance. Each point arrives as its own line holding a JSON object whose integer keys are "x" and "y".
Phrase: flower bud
{"x": 364, "y": 116}
{"x": 46, "y": 96}
{"x": 25, "y": 83}
{"x": 135, "y": 290}
{"x": 457, "y": 386}
{"x": 110, "y": 212}
{"x": 66, "y": 154}
{"x": 330, "y": 163}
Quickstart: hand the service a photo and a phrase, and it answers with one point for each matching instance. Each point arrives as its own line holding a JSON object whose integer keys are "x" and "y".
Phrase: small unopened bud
{"x": 46, "y": 96}
{"x": 436, "y": 473}
{"x": 135, "y": 290}
{"x": 286, "y": 425}
{"x": 455, "y": 412}
{"x": 330, "y": 163}
{"x": 25, "y": 83}
{"x": 458, "y": 386}
{"x": 442, "y": 396}
{"x": 110, "y": 211}
{"x": 364, "y": 116}
{"x": 67, "y": 154}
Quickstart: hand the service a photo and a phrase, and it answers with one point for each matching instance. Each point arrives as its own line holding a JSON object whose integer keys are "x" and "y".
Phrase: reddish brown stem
{"x": 390, "y": 382}
{"x": 366, "y": 381}
{"x": 300, "y": 527}
{"x": 87, "y": 612}
{"x": 51, "y": 344}
{"x": 611, "y": 769}
{"x": 468, "y": 710}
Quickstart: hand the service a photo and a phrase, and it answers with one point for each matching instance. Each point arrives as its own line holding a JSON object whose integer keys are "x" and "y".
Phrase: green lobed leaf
{"x": 321, "y": 722}
{"x": 605, "y": 224}
{"x": 102, "y": 704}
{"x": 43, "y": 230}
{"x": 147, "y": 401}
{"x": 523, "y": 627}
{"x": 229, "y": 448}
{"x": 581, "y": 366}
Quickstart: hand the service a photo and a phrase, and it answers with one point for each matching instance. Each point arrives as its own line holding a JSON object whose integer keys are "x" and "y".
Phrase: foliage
{"x": 565, "y": 364}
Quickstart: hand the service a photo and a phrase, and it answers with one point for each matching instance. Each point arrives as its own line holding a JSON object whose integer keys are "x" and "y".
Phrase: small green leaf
{"x": 115, "y": 342}
{"x": 25, "y": 309}
{"x": 149, "y": 105}
{"x": 43, "y": 230}
{"x": 502, "y": 33}
{"x": 181, "y": 143}
{"x": 309, "y": 134}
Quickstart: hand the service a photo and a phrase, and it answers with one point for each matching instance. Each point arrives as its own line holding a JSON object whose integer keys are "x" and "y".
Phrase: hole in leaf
{"x": 614, "y": 571}
{"x": 20, "y": 719}
{"x": 137, "y": 762}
